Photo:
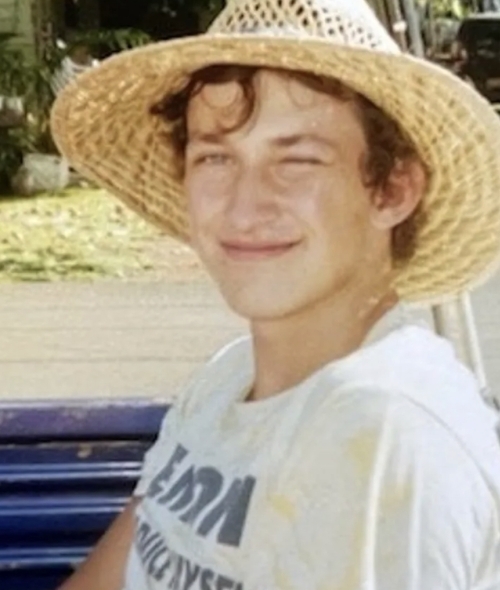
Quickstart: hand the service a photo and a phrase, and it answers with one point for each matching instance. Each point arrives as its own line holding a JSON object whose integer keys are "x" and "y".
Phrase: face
{"x": 278, "y": 209}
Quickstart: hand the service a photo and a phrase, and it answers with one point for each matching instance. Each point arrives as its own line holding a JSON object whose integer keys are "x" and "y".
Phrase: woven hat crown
{"x": 350, "y": 23}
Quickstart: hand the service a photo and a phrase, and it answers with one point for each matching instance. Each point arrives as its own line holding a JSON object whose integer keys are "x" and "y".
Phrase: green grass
{"x": 81, "y": 234}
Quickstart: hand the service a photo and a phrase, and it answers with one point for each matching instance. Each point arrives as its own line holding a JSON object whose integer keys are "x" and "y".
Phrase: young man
{"x": 323, "y": 178}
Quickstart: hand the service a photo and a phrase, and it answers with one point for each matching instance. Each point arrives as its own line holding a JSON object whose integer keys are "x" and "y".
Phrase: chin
{"x": 255, "y": 304}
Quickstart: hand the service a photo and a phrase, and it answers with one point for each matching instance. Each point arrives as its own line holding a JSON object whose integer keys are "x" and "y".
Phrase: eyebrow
{"x": 298, "y": 138}
{"x": 216, "y": 138}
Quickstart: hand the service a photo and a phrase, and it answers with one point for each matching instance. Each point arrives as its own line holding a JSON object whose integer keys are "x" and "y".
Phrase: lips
{"x": 238, "y": 250}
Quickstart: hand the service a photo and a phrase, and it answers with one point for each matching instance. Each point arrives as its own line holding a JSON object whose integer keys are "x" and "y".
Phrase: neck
{"x": 289, "y": 349}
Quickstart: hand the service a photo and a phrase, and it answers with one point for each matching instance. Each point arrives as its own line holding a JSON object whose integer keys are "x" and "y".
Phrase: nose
{"x": 251, "y": 203}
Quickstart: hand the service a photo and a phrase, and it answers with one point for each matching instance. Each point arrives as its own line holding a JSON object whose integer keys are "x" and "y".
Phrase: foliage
{"x": 13, "y": 72}
{"x": 80, "y": 234}
{"x": 14, "y": 143}
{"x": 13, "y": 83}
{"x": 207, "y": 10}
{"x": 32, "y": 81}
{"x": 448, "y": 8}
{"x": 102, "y": 42}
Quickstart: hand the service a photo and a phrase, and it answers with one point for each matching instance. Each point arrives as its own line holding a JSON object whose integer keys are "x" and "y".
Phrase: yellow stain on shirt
{"x": 353, "y": 573}
{"x": 361, "y": 450}
{"x": 397, "y": 498}
{"x": 396, "y": 492}
{"x": 282, "y": 579}
{"x": 283, "y": 506}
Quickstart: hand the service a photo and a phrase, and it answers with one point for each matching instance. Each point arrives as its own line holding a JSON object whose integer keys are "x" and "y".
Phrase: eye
{"x": 302, "y": 160}
{"x": 212, "y": 159}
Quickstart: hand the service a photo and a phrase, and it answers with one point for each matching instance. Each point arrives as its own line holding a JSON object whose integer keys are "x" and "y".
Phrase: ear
{"x": 398, "y": 199}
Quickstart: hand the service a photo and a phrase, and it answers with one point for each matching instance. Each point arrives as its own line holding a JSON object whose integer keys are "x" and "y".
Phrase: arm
{"x": 104, "y": 569}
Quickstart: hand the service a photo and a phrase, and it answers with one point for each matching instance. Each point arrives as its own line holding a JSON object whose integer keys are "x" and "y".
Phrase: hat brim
{"x": 102, "y": 124}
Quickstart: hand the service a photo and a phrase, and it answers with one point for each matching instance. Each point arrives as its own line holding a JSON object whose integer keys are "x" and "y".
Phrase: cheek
{"x": 197, "y": 205}
{"x": 320, "y": 203}
{"x": 338, "y": 210}
{"x": 305, "y": 196}
{"x": 204, "y": 199}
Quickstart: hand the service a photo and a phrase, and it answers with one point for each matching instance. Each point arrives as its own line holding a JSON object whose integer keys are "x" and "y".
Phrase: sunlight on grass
{"x": 81, "y": 234}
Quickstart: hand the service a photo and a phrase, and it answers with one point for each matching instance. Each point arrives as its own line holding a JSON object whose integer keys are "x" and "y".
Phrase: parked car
{"x": 476, "y": 53}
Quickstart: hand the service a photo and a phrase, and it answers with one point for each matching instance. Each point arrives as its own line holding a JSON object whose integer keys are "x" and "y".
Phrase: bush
{"x": 26, "y": 128}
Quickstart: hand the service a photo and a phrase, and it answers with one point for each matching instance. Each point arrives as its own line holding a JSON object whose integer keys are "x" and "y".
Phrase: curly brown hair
{"x": 387, "y": 142}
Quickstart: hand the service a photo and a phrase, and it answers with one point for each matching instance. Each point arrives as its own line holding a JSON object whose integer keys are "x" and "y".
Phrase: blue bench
{"x": 66, "y": 471}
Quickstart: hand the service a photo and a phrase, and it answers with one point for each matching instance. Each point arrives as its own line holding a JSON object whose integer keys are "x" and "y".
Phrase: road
{"x": 107, "y": 339}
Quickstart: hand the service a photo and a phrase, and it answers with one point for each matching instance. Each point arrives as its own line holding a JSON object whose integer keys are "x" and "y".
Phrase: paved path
{"x": 136, "y": 339}
{"x": 107, "y": 339}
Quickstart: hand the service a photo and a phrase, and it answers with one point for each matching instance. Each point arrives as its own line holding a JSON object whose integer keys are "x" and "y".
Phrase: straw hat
{"x": 102, "y": 124}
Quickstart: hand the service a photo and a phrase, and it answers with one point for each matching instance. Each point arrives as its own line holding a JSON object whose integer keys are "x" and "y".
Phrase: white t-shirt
{"x": 381, "y": 471}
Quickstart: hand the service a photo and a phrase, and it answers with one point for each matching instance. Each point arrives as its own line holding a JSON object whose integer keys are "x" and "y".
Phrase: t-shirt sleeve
{"x": 199, "y": 393}
{"x": 154, "y": 458}
{"x": 387, "y": 500}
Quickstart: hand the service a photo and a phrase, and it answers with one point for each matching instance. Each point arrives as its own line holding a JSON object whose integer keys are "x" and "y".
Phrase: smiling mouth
{"x": 241, "y": 251}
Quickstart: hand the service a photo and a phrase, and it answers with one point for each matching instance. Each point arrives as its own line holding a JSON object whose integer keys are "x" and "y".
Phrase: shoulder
{"x": 414, "y": 369}
{"x": 409, "y": 405}
{"x": 421, "y": 371}
{"x": 388, "y": 415}
{"x": 380, "y": 441}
